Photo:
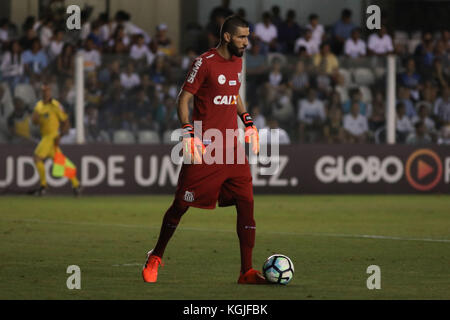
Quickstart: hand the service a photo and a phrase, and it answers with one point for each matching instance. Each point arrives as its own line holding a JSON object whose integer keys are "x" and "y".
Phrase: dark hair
{"x": 346, "y": 13}
{"x": 290, "y": 14}
{"x": 313, "y": 16}
{"x": 231, "y": 24}
{"x": 399, "y": 106}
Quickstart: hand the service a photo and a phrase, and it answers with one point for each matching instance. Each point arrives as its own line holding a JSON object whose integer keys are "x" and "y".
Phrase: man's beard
{"x": 234, "y": 50}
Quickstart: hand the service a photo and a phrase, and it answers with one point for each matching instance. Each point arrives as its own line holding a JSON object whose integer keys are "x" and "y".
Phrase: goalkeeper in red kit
{"x": 213, "y": 82}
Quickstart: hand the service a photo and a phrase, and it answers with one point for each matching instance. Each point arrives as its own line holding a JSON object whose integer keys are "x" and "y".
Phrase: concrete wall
{"x": 20, "y": 9}
{"x": 147, "y": 14}
{"x": 328, "y": 10}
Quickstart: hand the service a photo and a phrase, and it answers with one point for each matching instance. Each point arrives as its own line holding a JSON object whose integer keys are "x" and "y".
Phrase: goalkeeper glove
{"x": 193, "y": 148}
{"x": 251, "y": 133}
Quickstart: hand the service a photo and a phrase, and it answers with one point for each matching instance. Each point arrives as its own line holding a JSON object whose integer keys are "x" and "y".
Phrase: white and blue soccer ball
{"x": 278, "y": 268}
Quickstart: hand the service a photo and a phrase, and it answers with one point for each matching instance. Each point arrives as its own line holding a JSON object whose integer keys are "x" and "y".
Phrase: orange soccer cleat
{"x": 150, "y": 269}
{"x": 252, "y": 276}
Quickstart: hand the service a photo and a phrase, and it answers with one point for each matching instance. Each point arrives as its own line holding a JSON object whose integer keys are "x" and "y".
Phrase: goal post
{"x": 79, "y": 98}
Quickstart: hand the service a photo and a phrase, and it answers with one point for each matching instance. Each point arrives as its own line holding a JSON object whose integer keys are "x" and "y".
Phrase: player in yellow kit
{"x": 53, "y": 123}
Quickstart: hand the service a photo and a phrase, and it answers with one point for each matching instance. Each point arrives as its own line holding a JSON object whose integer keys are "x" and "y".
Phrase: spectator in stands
{"x": 356, "y": 127}
{"x": 65, "y": 62}
{"x": 243, "y": 14}
{"x": 333, "y": 101}
{"x": 380, "y": 42}
{"x": 105, "y": 27}
{"x": 166, "y": 114}
{"x": 110, "y": 113}
{"x": 267, "y": 33}
{"x": 404, "y": 97}
{"x": 164, "y": 42}
{"x": 355, "y": 97}
{"x": 282, "y": 108}
{"x": 223, "y": 10}
{"x": 91, "y": 122}
{"x": 4, "y": 32}
{"x": 355, "y": 47}
{"x": 332, "y": 129}
{"x": 403, "y": 124}
{"x": 19, "y": 123}
{"x": 26, "y": 41}
{"x": 94, "y": 94}
{"x": 95, "y": 34}
{"x": 213, "y": 27}
{"x": 439, "y": 76}
{"x": 442, "y": 108}
{"x": 35, "y": 61}
{"x": 424, "y": 50}
{"x": 258, "y": 118}
{"x": 311, "y": 116}
{"x": 120, "y": 37}
{"x": 129, "y": 79}
{"x": 109, "y": 72}
{"x": 256, "y": 71}
{"x": 68, "y": 94}
{"x": 342, "y": 31}
{"x": 423, "y": 116}
{"x": 444, "y": 135}
{"x": 318, "y": 31}
{"x": 274, "y": 82}
{"x": 56, "y": 45}
{"x": 255, "y": 60}
{"x": 325, "y": 61}
{"x": 276, "y": 16}
{"x": 157, "y": 73}
{"x": 12, "y": 67}
{"x": 266, "y": 134}
{"x": 307, "y": 42}
{"x": 289, "y": 31}
{"x": 410, "y": 78}
{"x": 189, "y": 57}
{"x": 92, "y": 57}
{"x": 143, "y": 112}
{"x": 140, "y": 52}
{"x": 299, "y": 81}
{"x": 428, "y": 95}
{"x": 377, "y": 118}
{"x": 46, "y": 32}
{"x": 419, "y": 136}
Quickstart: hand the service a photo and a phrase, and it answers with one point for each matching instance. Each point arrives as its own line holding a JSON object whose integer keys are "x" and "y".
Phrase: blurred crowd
{"x": 316, "y": 83}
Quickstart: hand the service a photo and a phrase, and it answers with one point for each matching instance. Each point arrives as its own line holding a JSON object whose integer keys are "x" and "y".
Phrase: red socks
{"x": 169, "y": 225}
{"x": 246, "y": 229}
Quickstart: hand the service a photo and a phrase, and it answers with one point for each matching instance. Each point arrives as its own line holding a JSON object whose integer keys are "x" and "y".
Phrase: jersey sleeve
{"x": 62, "y": 115}
{"x": 196, "y": 76}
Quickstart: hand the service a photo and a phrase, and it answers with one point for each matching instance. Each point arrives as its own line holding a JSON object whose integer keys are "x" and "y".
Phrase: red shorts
{"x": 202, "y": 185}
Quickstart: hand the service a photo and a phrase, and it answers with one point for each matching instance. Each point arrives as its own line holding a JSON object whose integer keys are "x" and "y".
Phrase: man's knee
{"x": 178, "y": 207}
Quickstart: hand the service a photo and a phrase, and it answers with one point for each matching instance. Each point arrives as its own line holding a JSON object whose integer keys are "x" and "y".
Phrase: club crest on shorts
{"x": 188, "y": 196}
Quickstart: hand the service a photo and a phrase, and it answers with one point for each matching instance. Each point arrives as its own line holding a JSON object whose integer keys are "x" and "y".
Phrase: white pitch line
{"x": 335, "y": 235}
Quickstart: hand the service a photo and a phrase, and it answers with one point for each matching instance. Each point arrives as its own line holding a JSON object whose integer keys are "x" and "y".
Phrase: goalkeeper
{"x": 213, "y": 83}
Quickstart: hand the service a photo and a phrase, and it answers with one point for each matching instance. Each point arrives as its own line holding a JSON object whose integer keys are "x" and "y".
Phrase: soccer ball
{"x": 278, "y": 269}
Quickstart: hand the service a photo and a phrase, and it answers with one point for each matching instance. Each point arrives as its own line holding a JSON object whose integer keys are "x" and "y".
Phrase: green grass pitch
{"x": 331, "y": 240}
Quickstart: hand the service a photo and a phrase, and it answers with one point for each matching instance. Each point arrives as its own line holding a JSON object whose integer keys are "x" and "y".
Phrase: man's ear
{"x": 227, "y": 36}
